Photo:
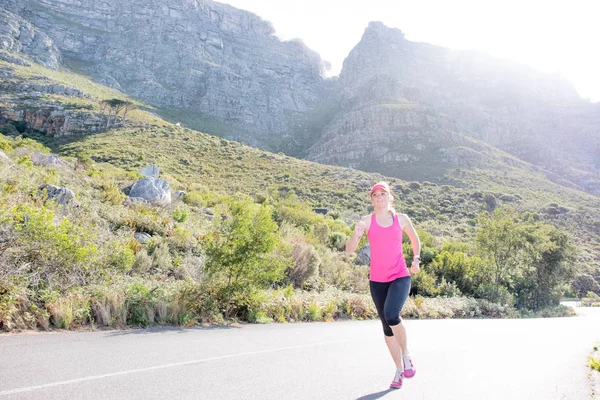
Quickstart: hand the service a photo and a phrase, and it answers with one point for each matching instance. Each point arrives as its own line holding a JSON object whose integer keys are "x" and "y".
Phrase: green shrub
{"x": 70, "y": 310}
{"x": 454, "y": 266}
{"x": 591, "y": 300}
{"x": 51, "y": 177}
{"x": 25, "y": 161}
{"x": 500, "y": 294}
{"x": 84, "y": 161}
{"x": 140, "y": 305}
{"x": 261, "y": 198}
{"x": 162, "y": 261}
{"x": 594, "y": 363}
{"x": 6, "y": 144}
{"x": 142, "y": 263}
{"x": 306, "y": 262}
{"x": 58, "y": 251}
{"x": 490, "y": 201}
{"x": 112, "y": 194}
{"x": 337, "y": 241}
{"x": 30, "y": 144}
{"x": 424, "y": 284}
{"x": 8, "y": 129}
{"x": 194, "y": 198}
{"x": 180, "y": 215}
{"x": 202, "y": 199}
{"x": 259, "y": 317}
{"x": 146, "y": 220}
{"x": 448, "y": 289}
{"x": 313, "y": 312}
{"x": 296, "y": 213}
{"x": 121, "y": 258}
{"x": 18, "y": 308}
{"x": 183, "y": 239}
{"x": 321, "y": 232}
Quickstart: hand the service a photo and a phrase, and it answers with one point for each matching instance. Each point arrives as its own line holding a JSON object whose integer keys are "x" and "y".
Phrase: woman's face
{"x": 380, "y": 199}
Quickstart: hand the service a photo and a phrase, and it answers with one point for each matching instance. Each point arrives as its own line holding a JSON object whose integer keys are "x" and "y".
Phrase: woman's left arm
{"x": 414, "y": 242}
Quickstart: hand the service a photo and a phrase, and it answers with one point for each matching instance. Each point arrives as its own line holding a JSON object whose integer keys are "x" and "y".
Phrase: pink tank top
{"x": 387, "y": 259}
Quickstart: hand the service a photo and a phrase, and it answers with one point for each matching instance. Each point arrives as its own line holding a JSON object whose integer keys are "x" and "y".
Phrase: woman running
{"x": 389, "y": 275}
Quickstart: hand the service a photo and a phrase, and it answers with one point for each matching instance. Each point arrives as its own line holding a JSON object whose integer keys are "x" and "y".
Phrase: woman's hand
{"x": 415, "y": 268}
{"x": 360, "y": 228}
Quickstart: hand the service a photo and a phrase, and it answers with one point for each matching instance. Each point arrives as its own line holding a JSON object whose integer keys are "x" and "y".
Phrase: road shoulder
{"x": 594, "y": 375}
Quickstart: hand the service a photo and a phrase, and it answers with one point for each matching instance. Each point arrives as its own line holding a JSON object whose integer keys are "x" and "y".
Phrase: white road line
{"x": 133, "y": 371}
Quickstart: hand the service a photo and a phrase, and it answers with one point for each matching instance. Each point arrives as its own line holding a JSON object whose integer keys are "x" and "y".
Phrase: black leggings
{"x": 389, "y": 297}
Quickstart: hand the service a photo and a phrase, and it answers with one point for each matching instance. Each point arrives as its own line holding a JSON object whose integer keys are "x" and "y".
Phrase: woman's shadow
{"x": 377, "y": 395}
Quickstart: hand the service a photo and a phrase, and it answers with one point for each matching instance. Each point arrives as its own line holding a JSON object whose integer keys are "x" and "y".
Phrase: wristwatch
{"x": 417, "y": 258}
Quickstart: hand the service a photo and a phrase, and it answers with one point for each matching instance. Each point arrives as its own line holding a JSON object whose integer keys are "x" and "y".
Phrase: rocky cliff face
{"x": 413, "y": 110}
{"x": 19, "y": 36}
{"x": 44, "y": 105}
{"x": 401, "y": 108}
{"x": 222, "y": 66}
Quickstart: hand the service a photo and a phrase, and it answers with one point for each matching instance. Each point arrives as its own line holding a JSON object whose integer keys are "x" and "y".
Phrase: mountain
{"x": 200, "y": 62}
{"x": 405, "y": 109}
{"x": 417, "y": 111}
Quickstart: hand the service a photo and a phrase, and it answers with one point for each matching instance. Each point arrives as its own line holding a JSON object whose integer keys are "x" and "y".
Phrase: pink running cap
{"x": 380, "y": 185}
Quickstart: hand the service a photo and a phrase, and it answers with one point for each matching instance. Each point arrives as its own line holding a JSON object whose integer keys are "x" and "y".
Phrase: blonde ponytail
{"x": 391, "y": 204}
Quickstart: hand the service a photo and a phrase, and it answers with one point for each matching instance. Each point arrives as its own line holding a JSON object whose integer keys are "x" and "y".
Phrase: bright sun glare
{"x": 551, "y": 36}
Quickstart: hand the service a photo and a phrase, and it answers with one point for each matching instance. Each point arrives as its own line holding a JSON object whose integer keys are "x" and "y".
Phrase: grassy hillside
{"x": 85, "y": 263}
{"x": 207, "y": 163}
{"x": 222, "y": 166}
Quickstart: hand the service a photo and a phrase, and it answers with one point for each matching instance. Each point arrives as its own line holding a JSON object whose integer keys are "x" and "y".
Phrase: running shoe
{"x": 397, "y": 382}
{"x": 409, "y": 368}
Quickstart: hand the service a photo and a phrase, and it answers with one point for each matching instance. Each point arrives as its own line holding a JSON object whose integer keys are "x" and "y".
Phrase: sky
{"x": 554, "y": 36}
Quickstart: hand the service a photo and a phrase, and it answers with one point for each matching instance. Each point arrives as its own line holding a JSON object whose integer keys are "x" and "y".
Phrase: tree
{"x": 500, "y": 239}
{"x": 551, "y": 270}
{"x": 240, "y": 250}
{"x": 115, "y": 106}
{"x": 585, "y": 283}
{"x": 129, "y": 106}
{"x": 533, "y": 260}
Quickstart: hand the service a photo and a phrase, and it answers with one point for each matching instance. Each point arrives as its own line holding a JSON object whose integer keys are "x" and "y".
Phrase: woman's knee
{"x": 387, "y": 331}
{"x": 392, "y": 319}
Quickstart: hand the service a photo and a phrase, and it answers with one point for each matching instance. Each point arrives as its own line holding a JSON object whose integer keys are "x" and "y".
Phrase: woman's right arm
{"x": 361, "y": 227}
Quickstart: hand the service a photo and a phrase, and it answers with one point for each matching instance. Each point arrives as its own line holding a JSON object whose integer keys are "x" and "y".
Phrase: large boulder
{"x": 127, "y": 189}
{"x": 151, "y": 171}
{"x": 364, "y": 255}
{"x": 47, "y": 160}
{"x": 152, "y": 190}
{"x": 60, "y": 195}
{"x": 4, "y": 158}
{"x": 143, "y": 237}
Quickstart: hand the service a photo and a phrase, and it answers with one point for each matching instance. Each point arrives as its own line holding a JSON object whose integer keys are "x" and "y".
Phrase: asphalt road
{"x": 455, "y": 359}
